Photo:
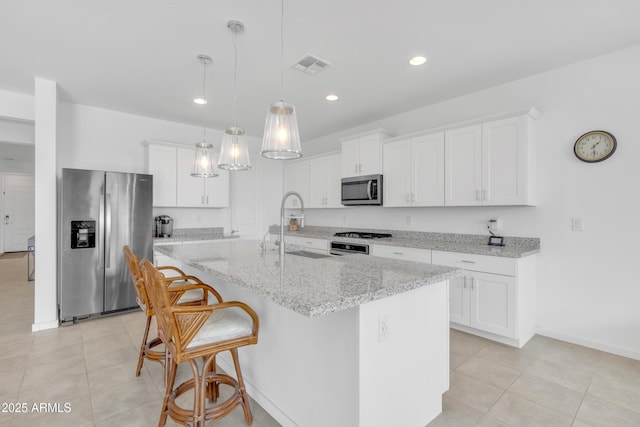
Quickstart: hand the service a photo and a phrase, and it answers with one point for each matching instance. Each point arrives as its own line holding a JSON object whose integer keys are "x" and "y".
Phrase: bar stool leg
{"x": 143, "y": 346}
{"x": 245, "y": 401}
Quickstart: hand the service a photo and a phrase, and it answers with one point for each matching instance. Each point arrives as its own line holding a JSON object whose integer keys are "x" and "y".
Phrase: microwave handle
{"x": 369, "y": 185}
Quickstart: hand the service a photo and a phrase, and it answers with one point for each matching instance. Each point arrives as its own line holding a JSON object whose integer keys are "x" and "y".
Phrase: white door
{"x": 18, "y": 211}
{"x": 334, "y": 187}
{"x": 190, "y": 190}
{"x": 370, "y": 156}
{"x": 318, "y": 178}
{"x": 459, "y": 300}
{"x": 350, "y": 158}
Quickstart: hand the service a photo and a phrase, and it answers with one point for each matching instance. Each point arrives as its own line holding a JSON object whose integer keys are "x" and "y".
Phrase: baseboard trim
{"x": 624, "y": 352}
{"x": 42, "y": 326}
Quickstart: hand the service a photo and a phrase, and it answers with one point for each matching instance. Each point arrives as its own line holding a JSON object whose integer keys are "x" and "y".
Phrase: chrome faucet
{"x": 301, "y": 217}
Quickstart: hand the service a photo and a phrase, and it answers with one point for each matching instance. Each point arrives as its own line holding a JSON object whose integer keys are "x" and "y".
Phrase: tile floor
{"x": 91, "y": 367}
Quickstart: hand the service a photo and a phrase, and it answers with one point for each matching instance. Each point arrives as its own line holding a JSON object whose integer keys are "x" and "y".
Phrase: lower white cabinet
{"x": 494, "y": 298}
{"x": 399, "y": 252}
{"x": 310, "y": 244}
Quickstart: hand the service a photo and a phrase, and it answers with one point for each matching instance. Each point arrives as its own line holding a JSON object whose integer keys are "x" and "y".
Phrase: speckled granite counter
{"x": 515, "y": 247}
{"x": 193, "y": 235}
{"x": 311, "y": 287}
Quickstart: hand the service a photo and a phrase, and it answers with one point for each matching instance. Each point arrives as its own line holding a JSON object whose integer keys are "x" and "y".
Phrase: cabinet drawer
{"x": 308, "y": 243}
{"x": 399, "y": 252}
{"x": 487, "y": 264}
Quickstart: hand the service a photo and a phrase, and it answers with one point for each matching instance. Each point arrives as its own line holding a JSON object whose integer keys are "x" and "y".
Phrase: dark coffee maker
{"x": 163, "y": 226}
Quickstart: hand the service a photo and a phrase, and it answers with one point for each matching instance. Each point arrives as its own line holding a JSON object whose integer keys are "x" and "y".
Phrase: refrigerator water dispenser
{"x": 83, "y": 234}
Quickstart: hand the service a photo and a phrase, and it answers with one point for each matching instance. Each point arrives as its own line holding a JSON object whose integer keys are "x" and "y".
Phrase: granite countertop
{"x": 194, "y": 235}
{"x": 309, "y": 286}
{"x": 515, "y": 247}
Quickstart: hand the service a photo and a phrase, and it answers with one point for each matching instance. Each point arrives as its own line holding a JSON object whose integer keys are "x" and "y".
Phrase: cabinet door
{"x": 459, "y": 300}
{"x": 334, "y": 187}
{"x": 396, "y": 170}
{"x": 463, "y": 176}
{"x": 350, "y": 157}
{"x": 504, "y": 162}
{"x": 216, "y": 190}
{"x": 296, "y": 178}
{"x": 427, "y": 187}
{"x": 162, "y": 165}
{"x": 370, "y": 159}
{"x": 493, "y": 303}
{"x": 190, "y": 190}
{"x": 318, "y": 179}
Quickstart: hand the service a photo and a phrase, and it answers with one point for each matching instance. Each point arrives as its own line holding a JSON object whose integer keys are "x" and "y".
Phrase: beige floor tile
{"x": 53, "y": 371}
{"x": 120, "y": 398}
{"x": 519, "y": 411}
{"x": 489, "y": 421}
{"x": 565, "y": 374}
{"x": 548, "y": 394}
{"x": 456, "y": 359}
{"x": 44, "y": 355}
{"x": 620, "y": 390}
{"x": 466, "y": 344}
{"x": 142, "y": 416}
{"x": 508, "y": 356}
{"x": 110, "y": 376}
{"x": 600, "y": 413}
{"x": 489, "y": 372}
{"x": 559, "y": 351}
{"x": 537, "y": 344}
{"x": 455, "y": 414}
{"x": 107, "y": 342}
{"x": 98, "y": 361}
{"x": 471, "y": 392}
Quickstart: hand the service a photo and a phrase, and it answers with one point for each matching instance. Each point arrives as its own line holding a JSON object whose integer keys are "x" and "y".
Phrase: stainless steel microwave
{"x": 362, "y": 190}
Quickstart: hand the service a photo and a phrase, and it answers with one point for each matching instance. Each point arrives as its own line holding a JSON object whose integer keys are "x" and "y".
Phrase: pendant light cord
{"x": 235, "y": 76}
{"x": 281, "y": 50}
{"x": 204, "y": 97}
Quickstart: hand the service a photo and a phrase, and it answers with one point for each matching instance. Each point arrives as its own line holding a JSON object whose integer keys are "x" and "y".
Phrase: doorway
{"x": 18, "y": 211}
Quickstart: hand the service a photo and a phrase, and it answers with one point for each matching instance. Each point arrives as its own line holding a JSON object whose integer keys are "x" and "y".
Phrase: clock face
{"x": 595, "y": 146}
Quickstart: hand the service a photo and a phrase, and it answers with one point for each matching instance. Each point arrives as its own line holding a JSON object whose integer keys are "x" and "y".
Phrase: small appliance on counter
{"x": 163, "y": 226}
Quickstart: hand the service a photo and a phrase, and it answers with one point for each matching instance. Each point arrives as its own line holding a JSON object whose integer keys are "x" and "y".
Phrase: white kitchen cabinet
{"x": 361, "y": 154}
{"x": 173, "y": 184}
{"x": 413, "y": 170}
{"x": 324, "y": 182}
{"x": 296, "y": 178}
{"x": 495, "y": 298}
{"x": 400, "y": 252}
{"x": 310, "y": 244}
{"x": 200, "y": 192}
{"x": 490, "y": 164}
{"x": 161, "y": 163}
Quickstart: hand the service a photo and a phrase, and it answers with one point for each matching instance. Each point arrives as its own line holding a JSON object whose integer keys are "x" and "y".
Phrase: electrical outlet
{"x": 577, "y": 224}
{"x": 383, "y": 328}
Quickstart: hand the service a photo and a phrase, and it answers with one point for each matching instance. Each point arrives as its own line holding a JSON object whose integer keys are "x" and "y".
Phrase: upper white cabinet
{"x": 413, "y": 170}
{"x": 161, "y": 163}
{"x": 361, "y": 154}
{"x": 324, "y": 182}
{"x": 490, "y": 164}
{"x": 200, "y": 192}
{"x": 296, "y": 178}
{"x": 173, "y": 185}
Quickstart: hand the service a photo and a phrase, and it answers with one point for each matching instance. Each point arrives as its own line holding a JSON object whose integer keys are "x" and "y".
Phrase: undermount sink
{"x": 308, "y": 254}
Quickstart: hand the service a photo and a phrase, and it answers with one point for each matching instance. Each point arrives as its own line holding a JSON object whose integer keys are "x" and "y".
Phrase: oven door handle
{"x": 369, "y": 185}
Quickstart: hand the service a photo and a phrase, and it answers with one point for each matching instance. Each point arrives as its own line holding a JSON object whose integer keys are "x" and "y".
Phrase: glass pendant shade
{"x": 234, "y": 153}
{"x": 203, "y": 166}
{"x": 281, "y": 139}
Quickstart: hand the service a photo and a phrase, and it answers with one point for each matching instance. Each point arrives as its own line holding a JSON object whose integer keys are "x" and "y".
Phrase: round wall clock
{"x": 595, "y": 146}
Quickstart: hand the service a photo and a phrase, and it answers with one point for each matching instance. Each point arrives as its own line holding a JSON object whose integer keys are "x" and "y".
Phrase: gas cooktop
{"x": 363, "y": 235}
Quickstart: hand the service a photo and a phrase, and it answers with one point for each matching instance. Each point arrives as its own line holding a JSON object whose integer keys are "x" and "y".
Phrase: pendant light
{"x": 281, "y": 139}
{"x": 202, "y": 164}
{"x": 234, "y": 153}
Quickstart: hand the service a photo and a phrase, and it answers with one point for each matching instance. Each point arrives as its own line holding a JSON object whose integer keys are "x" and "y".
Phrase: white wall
{"x": 587, "y": 289}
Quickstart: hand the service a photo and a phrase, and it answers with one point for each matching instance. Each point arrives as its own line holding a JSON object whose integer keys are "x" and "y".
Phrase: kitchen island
{"x": 344, "y": 341}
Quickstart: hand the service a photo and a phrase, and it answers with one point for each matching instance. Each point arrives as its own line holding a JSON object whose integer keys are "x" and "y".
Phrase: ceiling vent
{"x": 310, "y": 64}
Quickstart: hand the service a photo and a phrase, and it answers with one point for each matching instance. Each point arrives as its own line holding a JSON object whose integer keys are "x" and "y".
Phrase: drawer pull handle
{"x": 398, "y": 253}
{"x": 468, "y": 262}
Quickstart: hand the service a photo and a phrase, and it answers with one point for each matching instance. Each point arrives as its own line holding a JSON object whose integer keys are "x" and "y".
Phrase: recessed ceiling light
{"x": 200, "y": 101}
{"x": 331, "y": 97}
{"x": 417, "y": 60}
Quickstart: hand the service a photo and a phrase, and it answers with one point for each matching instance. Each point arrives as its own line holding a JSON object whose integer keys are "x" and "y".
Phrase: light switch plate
{"x": 577, "y": 224}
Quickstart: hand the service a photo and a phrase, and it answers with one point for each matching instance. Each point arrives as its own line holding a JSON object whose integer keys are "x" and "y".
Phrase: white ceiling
{"x": 140, "y": 56}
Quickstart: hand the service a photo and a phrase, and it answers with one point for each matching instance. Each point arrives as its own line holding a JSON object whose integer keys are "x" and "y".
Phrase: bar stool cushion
{"x": 223, "y": 324}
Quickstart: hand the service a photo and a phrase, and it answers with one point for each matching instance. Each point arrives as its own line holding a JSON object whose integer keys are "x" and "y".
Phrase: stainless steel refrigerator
{"x": 100, "y": 212}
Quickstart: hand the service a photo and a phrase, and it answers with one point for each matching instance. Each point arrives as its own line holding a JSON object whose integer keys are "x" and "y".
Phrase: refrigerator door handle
{"x": 107, "y": 228}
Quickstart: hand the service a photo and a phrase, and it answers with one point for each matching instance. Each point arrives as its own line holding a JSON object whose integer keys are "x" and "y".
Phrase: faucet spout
{"x": 284, "y": 199}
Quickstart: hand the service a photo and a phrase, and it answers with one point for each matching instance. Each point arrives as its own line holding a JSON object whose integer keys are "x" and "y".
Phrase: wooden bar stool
{"x": 194, "y": 295}
{"x": 203, "y": 331}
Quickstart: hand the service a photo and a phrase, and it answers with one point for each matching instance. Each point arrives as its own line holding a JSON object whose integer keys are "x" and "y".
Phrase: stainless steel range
{"x": 346, "y": 248}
